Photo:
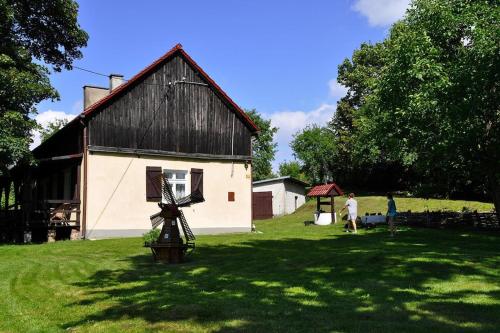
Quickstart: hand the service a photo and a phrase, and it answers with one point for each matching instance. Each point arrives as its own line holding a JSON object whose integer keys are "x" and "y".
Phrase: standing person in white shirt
{"x": 352, "y": 212}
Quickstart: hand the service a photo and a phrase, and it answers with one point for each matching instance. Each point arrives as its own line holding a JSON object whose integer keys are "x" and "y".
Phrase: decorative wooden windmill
{"x": 171, "y": 247}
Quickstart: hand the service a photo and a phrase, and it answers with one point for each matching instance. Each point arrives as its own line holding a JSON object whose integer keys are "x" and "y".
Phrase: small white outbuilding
{"x": 288, "y": 193}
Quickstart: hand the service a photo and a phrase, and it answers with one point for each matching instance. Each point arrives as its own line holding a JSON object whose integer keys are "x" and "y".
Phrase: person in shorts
{"x": 352, "y": 212}
{"x": 391, "y": 213}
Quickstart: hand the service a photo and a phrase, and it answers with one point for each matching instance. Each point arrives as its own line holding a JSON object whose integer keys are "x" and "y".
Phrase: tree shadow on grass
{"x": 368, "y": 283}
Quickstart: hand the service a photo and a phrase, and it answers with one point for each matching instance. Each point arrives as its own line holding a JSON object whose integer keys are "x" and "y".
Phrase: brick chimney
{"x": 115, "y": 80}
{"x": 92, "y": 94}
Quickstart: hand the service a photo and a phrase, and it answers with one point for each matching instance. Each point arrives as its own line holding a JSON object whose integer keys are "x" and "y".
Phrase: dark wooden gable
{"x": 65, "y": 142}
{"x": 185, "y": 118}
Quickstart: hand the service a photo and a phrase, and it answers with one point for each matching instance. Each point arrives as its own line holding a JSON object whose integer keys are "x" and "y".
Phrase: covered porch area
{"x": 41, "y": 203}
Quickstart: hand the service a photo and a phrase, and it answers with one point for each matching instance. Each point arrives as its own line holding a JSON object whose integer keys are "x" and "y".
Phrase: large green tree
{"x": 292, "y": 169}
{"x": 358, "y": 75}
{"x": 33, "y": 34}
{"x": 353, "y": 165}
{"x": 263, "y": 146}
{"x": 315, "y": 147}
{"x": 434, "y": 105}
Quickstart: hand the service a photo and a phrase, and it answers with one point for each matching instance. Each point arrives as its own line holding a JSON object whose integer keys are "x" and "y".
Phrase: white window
{"x": 178, "y": 180}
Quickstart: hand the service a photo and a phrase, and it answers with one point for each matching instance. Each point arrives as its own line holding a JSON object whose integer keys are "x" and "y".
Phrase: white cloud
{"x": 336, "y": 89}
{"x": 381, "y": 12}
{"x": 289, "y": 122}
{"x": 43, "y": 119}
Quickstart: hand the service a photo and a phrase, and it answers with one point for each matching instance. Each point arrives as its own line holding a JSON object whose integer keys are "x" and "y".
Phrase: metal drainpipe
{"x": 84, "y": 199}
{"x": 251, "y": 182}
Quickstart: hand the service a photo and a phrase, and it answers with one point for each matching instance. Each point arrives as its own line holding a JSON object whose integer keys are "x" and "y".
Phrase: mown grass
{"x": 289, "y": 278}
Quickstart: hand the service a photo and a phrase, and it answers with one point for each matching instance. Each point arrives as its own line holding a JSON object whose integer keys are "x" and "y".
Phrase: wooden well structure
{"x": 329, "y": 191}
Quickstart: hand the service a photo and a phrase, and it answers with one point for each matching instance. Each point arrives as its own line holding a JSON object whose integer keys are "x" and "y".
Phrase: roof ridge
{"x": 324, "y": 189}
{"x": 177, "y": 48}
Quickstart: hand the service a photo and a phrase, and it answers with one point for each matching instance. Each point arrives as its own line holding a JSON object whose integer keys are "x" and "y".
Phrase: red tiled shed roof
{"x": 325, "y": 190}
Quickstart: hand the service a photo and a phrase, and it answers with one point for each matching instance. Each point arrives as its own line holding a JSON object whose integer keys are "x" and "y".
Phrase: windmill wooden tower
{"x": 170, "y": 247}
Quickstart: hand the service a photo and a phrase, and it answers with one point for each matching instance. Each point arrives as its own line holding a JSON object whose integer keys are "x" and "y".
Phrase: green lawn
{"x": 289, "y": 278}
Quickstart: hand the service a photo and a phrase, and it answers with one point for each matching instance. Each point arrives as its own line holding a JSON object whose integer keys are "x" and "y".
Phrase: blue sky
{"x": 279, "y": 57}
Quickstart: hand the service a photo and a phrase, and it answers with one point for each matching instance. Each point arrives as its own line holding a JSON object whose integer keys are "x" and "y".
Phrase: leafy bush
{"x": 151, "y": 236}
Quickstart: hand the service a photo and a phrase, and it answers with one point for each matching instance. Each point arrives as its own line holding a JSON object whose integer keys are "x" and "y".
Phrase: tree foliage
{"x": 355, "y": 164}
{"x": 32, "y": 33}
{"x": 315, "y": 147}
{"x": 434, "y": 104}
{"x": 263, "y": 146}
{"x": 52, "y": 127}
{"x": 292, "y": 169}
{"x": 348, "y": 162}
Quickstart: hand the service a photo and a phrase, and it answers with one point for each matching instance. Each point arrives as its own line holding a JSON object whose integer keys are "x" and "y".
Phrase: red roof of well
{"x": 325, "y": 190}
{"x": 177, "y": 49}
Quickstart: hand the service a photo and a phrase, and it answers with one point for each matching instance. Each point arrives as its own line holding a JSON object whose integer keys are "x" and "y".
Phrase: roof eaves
{"x": 56, "y": 134}
{"x": 298, "y": 181}
{"x": 280, "y": 178}
{"x": 324, "y": 190}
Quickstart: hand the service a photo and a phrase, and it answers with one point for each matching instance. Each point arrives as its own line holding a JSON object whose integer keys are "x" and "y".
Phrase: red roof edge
{"x": 177, "y": 48}
{"x": 324, "y": 190}
{"x": 338, "y": 189}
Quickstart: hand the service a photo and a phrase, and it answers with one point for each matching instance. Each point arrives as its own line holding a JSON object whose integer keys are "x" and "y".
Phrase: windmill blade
{"x": 167, "y": 191}
{"x": 170, "y": 199}
{"x": 156, "y": 220}
{"x": 188, "y": 233}
{"x": 195, "y": 197}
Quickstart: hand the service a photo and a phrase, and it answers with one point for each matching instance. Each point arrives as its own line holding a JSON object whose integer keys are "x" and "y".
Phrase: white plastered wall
{"x": 293, "y": 190}
{"x": 116, "y": 195}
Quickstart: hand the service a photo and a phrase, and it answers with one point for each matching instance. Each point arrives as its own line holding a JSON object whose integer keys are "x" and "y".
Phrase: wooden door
{"x": 262, "y": 205}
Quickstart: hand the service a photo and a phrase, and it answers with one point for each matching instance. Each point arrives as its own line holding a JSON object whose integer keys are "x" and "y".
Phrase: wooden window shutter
{"x": 153, "y": 183}
{"x": 197, "y": 181}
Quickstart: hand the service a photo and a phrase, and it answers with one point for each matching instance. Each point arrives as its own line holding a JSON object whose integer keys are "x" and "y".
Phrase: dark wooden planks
{"x": 184, "y": 118}
{"x": 262, "y": 205}
{"x": 66, "y": 141}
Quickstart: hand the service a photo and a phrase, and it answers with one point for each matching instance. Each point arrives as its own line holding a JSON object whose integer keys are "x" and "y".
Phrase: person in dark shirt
{"x": 391, "y": 213}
